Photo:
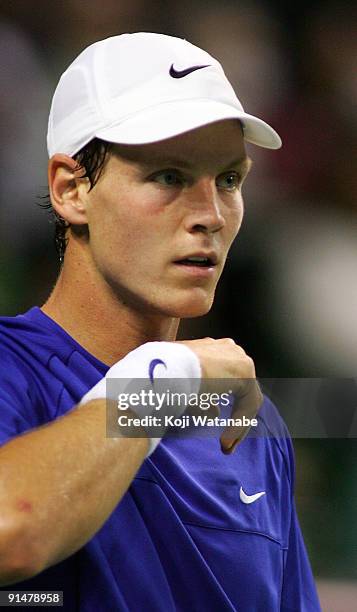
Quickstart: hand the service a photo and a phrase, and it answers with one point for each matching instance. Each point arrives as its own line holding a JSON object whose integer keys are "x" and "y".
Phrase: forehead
{"x": 220, "y": 142}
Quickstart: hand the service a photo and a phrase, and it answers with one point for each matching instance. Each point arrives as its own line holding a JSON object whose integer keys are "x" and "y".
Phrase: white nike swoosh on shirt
{"x": 249, "y": 499}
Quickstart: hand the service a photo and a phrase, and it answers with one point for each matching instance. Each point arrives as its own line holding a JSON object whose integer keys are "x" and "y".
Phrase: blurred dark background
{"x": 289, "y": 292}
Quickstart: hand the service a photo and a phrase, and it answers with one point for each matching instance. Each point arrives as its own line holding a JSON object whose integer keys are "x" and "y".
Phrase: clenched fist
{"x": 224, "y": 359}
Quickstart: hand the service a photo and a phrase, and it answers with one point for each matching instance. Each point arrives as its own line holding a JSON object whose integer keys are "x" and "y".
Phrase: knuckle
{"x": 226, "y": 341}
{"x": 250, "y": 362}
{"x": 248, "y": 367}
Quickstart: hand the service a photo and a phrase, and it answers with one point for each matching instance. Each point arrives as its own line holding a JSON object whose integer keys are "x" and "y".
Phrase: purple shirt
{"x": 181, "y": 539}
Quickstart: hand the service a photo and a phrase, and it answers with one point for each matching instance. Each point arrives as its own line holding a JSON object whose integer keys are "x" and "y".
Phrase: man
{"x": 147, "y": 159}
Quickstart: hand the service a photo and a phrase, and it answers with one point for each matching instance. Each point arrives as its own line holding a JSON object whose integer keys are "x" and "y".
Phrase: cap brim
{"x": 173, "y": 118}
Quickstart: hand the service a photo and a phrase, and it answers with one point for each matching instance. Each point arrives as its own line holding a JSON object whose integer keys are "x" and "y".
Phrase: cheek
{"x": 240, "y": 213}
{"x": 124, "y": 233}
{"x": 110, "y": 220}
{"x": 234, "y": 220}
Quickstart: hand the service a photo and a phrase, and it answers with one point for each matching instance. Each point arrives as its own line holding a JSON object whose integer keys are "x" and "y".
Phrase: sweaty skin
{"x": 153, "y": 205}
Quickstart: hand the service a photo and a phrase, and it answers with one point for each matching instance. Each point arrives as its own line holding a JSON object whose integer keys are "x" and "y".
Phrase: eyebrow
{"x": 244, "y": 162}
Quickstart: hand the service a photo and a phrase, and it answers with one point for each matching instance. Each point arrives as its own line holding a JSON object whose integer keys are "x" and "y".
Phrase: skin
{"x": 122, "y": 278}
{"x": 119, "y": 279}
{"x": 153, "y": 205}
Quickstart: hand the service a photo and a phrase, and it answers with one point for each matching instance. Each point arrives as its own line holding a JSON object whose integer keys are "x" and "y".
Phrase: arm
{"x": 60, "y": 482}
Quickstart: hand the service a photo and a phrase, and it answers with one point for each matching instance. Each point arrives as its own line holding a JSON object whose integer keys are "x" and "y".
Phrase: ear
{"x": 67, "y": 189}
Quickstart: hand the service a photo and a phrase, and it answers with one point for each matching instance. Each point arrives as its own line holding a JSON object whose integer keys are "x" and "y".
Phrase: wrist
{"x": 151, "y": 365}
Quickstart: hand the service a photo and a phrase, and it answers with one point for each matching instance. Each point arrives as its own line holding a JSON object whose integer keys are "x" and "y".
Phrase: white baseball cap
{"x": 144, "y": 87}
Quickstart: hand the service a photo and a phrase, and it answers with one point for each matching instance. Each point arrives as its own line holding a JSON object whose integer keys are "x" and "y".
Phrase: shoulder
{"x": 17, "y": 395}
{"x": 41, "y": 362}
{"x": 14, "y": 371}
{"x": 28, "y": 392}
{"x": 24, "y": 345}
{"x": 31, "y": 333}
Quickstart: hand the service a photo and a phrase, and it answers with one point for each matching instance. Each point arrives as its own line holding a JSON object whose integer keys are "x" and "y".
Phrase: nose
{"x": 203, "y": 212}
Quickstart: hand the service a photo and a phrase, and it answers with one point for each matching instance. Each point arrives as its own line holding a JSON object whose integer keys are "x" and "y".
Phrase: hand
{"x": 224, "y": 359}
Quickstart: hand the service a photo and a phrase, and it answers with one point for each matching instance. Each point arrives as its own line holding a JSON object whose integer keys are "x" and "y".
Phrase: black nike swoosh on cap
{"x": 178, "y": 74}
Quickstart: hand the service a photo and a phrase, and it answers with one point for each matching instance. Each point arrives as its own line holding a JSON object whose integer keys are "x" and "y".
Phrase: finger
{"x": 246, "y": 406}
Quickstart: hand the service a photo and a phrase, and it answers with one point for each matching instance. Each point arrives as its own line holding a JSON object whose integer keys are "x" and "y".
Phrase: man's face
{"x": 158, "y": 205}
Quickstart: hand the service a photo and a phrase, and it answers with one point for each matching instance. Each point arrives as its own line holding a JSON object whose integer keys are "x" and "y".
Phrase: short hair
{"x": 91, "y": 159}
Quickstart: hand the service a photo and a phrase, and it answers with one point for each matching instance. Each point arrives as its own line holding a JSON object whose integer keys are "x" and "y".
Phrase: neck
{"x": 83, "y": 304}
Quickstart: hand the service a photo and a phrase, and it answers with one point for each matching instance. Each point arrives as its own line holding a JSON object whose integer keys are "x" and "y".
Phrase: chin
{"x": 191, "y": 308}
{"x": 192, "y": 314}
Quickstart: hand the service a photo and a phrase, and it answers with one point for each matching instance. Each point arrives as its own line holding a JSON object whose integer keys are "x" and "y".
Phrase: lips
{"x": 202, "y": 260}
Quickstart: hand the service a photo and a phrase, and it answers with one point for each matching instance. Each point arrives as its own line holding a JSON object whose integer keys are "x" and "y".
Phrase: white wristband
{"x": 152, "y": 361}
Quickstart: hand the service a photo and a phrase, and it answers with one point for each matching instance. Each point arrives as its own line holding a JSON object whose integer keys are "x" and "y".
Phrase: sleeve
{"x": 299, "y": 591}
{"x": 16, "y": 406}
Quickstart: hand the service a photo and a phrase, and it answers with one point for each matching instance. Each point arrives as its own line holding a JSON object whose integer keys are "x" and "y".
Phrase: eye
{"x": 167, "y": 178}
{"x": 230, "y": 181}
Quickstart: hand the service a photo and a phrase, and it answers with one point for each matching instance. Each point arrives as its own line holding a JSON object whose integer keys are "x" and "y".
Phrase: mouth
{"x": 199, "y": 261}
{"x": 197, "y": 266}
